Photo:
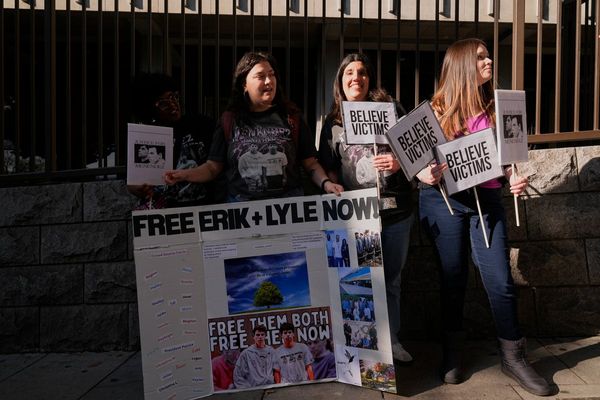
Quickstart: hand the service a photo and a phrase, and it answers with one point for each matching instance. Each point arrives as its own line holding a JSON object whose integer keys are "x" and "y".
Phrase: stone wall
{"x": 68, "y": 277}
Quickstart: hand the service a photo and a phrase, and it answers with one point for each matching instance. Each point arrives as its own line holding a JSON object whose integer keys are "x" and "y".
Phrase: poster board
{"x": 511, "y": 126}
{"x": 413, "y": 138}
{"x": 471, "y": 159}
{"x": 149, "y": 153}
{"x": 208, "y": 276}
{"x": 366, "y": 122}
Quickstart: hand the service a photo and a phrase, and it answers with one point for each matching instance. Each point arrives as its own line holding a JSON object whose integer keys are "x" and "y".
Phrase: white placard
{"x": 149, "y": 153}
{"x": 471, "y": 159}
{"x": 366, "y": 122}
{"x": 413, "y": 138}
{"x": 511, "y": 126}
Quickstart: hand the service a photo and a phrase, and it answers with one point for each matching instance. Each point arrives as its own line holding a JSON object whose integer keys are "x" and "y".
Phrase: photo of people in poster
{"x": 368, "y": 248}
{"x": 264, "y": 349}
{"x": 358, "y": 309}
{"x": 267, "y": 282}
{"x": 513, "y": 126}
{"x": 153, "y": 155}
{"x": 338, "y": 249}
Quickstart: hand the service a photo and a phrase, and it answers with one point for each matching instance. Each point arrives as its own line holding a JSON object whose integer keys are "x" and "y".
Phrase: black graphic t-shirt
{"x": 354, "y": 166}
{"x": 192, "y": 139}
{"x": 262, "y": 159}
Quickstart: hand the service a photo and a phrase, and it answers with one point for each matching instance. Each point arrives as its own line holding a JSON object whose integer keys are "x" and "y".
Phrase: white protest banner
{"x": 511, "y": 126}
{"x": 366, "y": 122}
{"x": 413, "y": 138}
{"x": 471, "y": 159}
{"x": 149, "y": 153}
{"x": 209, "y": 308}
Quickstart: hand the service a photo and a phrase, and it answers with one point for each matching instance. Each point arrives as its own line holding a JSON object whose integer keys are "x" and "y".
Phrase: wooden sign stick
{"x": 515, "y": 197}
{"x": 487, "y": 243}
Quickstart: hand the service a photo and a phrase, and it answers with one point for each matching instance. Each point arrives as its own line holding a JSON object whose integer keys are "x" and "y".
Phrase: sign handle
{"x": 515, "y": 198}
{"x": 487, "y": 243}
{"x": 445, "y": 196}
{"x": 377, "y": 171}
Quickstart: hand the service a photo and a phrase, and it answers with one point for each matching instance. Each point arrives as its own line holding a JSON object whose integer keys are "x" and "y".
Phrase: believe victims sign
{"x": 471, "y": 159}
{"x": 366, "y": 122}
{"x": 413, "y": 138}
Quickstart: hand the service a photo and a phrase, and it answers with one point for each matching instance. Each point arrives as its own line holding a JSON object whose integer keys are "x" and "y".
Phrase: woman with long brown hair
{"x": 464, "y": 104}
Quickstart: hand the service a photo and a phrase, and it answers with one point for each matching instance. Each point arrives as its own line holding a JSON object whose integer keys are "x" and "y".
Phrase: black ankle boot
{"x": 452, "y": 345}
{"x": 516, "y": 366}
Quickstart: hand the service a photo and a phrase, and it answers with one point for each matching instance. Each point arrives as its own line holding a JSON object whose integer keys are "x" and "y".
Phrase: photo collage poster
{"x": 238, "y": 309}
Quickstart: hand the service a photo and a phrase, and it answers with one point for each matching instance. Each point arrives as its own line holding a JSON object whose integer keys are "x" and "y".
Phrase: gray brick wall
{"x": 68, "y": 277}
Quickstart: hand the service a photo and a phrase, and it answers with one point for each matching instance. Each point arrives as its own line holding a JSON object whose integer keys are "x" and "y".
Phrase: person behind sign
{"x": 464, "y": 104}
{"x": 259, "y": 115}
{"x": 294, "y": 360}
{"x": 257, "y": 364}
{"x": 156, "y": 102}
{"x": 355, "y": 81}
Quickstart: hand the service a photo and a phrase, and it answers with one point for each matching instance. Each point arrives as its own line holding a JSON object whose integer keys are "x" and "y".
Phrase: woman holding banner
{"x": 259, "y": 119}
{"x": 464, "y": 103}
{"x": 344, "y": 163}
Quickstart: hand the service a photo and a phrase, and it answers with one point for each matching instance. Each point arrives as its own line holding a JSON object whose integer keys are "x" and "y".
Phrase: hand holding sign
{"x": 432, "y": 174}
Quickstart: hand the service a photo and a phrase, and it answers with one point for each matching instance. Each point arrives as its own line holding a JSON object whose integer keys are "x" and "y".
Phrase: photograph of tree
{"x": 267, "y": 282}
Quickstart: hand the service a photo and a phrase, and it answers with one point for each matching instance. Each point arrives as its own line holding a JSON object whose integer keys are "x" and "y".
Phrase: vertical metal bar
{"x": 218, "y": 55}
{"x": 288, "y": 44}
{"x": 84, "y": 84}
{"x": 17, "y": 58}
{"x": 270, "y": 18}
{"x": 456, "y": 19}
{"x": 2, "y": 124}
{"x": 323, "y": 56}
{"x": 251, "y": 20}
{"x": 577, "y": 78}
{"x": 538, "y": 68}
{"x": 417, "y": 51}
{"x": 149, "y": 36}
{"x": 398, "y": 56}
{"x": 305, "y": 66}
{"x": 132, "y": 40}
{"x": 518, "y": 45}
{"x": 182, "y": 91}
{"x": 436, "y": 46}
{"x": 32, "y": 91}
{"x": 99, "y": 88}
{"x": 496, "y": 35}
{"x": 476, "y": 18}
{"x": 558, "y": 72}
{"x": 165, "y": 35}
{"x": 379, "y": 24}
{"x": 235, "y": 28}
{"x": 116, "y": 101}
{"x": 50, "y": 83}
{"x": 597, "y": 68}
{"x": 342, "y": 11}
{"x": 68, "y": 102}
{"x": 360, "y": 26}
{"x": 201, "y": 108}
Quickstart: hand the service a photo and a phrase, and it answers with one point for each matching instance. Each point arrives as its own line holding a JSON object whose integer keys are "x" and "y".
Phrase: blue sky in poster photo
{"x": 288, "y": 271}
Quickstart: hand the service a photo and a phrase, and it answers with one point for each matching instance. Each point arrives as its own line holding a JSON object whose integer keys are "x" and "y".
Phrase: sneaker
{"x": 400, "y": 354}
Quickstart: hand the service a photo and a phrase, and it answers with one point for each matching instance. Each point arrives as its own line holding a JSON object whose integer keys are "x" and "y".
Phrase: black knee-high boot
{"x": 516, "y": 366}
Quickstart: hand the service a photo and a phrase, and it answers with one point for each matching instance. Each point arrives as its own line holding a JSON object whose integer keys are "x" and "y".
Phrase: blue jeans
{"x": 454, "y": 235}
{"x": 395, "y": 239}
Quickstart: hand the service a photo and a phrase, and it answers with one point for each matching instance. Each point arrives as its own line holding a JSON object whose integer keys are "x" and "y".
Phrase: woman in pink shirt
{"x": 464, "y": 104}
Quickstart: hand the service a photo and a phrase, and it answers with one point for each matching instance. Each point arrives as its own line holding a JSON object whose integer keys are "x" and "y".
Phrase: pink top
{"x": 476, "y": 124}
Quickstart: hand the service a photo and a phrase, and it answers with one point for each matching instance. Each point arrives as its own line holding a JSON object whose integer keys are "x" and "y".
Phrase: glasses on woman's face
{"x": 166, "y": 101}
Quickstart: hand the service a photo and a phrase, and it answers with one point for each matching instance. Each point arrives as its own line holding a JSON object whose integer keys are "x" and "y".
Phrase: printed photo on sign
{"x": 271, "y": 281}
{"x": 360, "y": 335}
{"x": 378, "y": 375}
{"x": 338, "y": 249}
{"x": 368, "y": 248}
{"x": 471, "y": 159}
{"x": 348, "y": 366}
{"x": 149, "y": 153}
{"x": 257, "y": 350}
{"x": 511, "y": 126}
{"x": 366, "y": 122}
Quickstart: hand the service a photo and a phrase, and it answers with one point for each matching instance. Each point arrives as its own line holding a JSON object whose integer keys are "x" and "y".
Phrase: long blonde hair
{"x": 459, "y": 96}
